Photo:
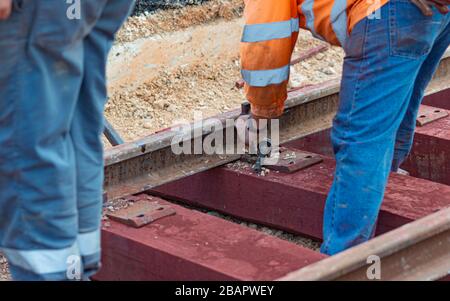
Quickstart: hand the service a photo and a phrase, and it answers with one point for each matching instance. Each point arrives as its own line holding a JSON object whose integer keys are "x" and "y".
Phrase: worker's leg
{"x": 40, "y": 75}
{"x": 405, "y": 134}
{"x": 383, "y": 60}
{"x": 87, "y": 127}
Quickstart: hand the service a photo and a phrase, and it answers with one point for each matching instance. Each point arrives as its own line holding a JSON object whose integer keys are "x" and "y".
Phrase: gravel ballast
{"x": 145, "y": 6}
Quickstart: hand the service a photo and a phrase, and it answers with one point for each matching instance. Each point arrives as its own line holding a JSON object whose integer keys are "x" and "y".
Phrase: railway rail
{"x": 166, "y": 241}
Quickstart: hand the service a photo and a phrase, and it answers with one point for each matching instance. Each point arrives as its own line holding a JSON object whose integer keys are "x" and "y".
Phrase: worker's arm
{"x": 5, "y": 9}
{"x": 269, "y": 36}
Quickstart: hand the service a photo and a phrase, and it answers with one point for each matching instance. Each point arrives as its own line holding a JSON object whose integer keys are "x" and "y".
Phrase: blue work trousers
{"x": 391, "y": 57}
{"x": 53, "y": 56}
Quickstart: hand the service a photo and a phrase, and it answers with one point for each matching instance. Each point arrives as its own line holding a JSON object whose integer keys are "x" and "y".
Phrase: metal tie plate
{"x": 430, "y": 114}
{"x": 291, "y": 160}
{"x": 141, "y": 213}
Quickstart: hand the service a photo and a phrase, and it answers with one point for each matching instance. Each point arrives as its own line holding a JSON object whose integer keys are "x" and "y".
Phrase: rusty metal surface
{"x": 429, "y": 114}
{"x": 142, "y": 212}
{"x": 417, "y": 251}
{"x": 150, "y": 162}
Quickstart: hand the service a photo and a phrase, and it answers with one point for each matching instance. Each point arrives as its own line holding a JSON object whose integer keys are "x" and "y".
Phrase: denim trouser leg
{"x": 44, "y": 224}
{"x": 38, "y": 223}
{"x": 405, "y": 134}
{"x": 89, "y": 115}
{"x": 383, "y": 59}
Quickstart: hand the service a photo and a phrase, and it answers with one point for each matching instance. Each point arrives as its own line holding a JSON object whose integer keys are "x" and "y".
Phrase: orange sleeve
{"x": 269, "y": 36}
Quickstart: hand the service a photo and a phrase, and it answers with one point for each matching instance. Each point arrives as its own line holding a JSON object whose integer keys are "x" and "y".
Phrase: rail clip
{"x": 141, "y": 213}
{"x": 290, "y": 160}
{"x": 429, "y": 114}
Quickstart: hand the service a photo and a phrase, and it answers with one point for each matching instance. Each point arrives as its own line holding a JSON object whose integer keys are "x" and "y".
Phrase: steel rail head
{"x": 416, "y": 251}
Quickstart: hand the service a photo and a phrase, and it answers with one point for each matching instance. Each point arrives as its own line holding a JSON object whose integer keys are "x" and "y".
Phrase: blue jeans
{"x": 52, "y": 96}
{"x": 389, "y": 62}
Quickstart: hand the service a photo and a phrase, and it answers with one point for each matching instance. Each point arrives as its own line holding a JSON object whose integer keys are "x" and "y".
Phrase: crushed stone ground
{"x": 4, "y": 271}
{"x": 151, "y": 22}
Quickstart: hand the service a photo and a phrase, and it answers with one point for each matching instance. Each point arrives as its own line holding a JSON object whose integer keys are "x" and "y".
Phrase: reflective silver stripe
{"x": 42, "y": 261}
{"x": 54, "y": 261}
{"x": 307, "y": 9}
{"x": 89, "y": 243}
{"x": 339, "y": 20}
{"x": 295, "y": 25}
{"x": 270, "y": 31}
{"x": 263, "y": 78}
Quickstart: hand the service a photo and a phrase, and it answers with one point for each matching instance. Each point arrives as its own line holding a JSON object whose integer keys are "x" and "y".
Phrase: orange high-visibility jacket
{"x": 270, "y": 34}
